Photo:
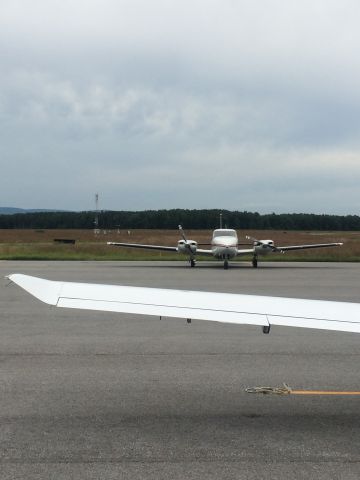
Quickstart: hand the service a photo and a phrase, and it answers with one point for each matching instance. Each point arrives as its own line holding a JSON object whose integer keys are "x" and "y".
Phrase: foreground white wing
{"x": 219, "y": 307}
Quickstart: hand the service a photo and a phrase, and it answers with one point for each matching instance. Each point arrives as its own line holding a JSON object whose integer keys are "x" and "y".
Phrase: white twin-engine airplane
{"x": 224, "y": 246}
{"x": 216, "y": 307}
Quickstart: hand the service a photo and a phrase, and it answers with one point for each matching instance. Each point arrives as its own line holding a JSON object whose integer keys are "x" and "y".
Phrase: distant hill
{"x": 12, "y": 210}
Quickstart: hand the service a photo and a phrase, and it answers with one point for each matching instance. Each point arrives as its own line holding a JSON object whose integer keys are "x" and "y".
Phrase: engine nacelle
{"x": 187, "y": 246}
{"x": 263, "y": 247}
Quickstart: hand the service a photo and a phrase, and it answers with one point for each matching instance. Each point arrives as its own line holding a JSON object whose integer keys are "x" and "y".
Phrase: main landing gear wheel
{"x": 226, "y": 264}
{"x": 192, "y": 262}
{"x": 255, "y": 262}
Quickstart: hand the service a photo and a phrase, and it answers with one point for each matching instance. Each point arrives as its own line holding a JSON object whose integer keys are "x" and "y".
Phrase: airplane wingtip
{"x": 45, "y": 290}
{"x": 13, "y": 276}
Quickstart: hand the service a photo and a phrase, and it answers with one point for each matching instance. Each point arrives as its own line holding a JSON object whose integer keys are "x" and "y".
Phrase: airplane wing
{"x": 245, "y": 251}
{"x": 164, "y": 248}
{"x": 202, "y": 251}
{"x": 149, "y": 247}
{"x": 303, "y": 247}
{"x": 218, "y": 307}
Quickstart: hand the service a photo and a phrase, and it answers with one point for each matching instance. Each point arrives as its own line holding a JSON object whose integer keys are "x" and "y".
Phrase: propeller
{"x": 190, "y": 245}
{"x": 182, "y": 233}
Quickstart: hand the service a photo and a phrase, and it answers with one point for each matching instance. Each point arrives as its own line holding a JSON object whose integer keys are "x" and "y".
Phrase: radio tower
{"x": 96, "y": 221}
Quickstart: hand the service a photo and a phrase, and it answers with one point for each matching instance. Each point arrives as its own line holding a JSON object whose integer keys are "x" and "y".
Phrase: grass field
{"x": 40, "y": 245}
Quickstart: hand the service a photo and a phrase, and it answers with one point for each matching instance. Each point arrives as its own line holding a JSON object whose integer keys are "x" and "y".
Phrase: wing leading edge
{"x": 219, "y": 307}
{"x": 305, "y": 247}
{"x": 163, "y": 248}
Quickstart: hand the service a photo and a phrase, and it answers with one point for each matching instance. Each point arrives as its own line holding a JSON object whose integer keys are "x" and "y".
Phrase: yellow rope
{"x": 286, "y": 390}
{"x": 323, "y": 392}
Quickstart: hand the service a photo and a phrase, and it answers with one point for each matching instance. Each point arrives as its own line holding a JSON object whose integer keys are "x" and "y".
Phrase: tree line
{"x": 170, "y": 219}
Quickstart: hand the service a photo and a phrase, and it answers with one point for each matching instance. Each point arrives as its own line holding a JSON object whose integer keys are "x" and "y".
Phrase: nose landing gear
{"x": 192, "y": 262}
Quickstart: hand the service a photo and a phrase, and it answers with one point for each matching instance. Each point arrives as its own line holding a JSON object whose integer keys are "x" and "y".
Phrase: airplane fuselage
{"x": 224, "y": 243}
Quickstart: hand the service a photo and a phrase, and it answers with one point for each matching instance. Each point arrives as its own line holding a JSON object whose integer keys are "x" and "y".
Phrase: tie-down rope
{"x": 286, "y": 390}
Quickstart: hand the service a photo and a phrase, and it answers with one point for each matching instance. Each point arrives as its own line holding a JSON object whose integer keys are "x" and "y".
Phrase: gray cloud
{"x": 232, "y": 104}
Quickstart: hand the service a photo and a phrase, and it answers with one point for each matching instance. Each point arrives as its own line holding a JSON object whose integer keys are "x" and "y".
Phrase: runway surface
{"x": 92, "y": 395}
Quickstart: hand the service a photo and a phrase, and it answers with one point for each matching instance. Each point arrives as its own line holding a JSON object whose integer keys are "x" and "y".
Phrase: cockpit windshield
{"x": 222, "y": 232}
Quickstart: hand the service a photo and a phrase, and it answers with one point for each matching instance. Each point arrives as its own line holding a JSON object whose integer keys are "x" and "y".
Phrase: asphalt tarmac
{"x": 92, "y": 395}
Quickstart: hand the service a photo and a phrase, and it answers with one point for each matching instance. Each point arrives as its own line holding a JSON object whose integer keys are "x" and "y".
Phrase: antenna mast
{"x": 96, "y": 221}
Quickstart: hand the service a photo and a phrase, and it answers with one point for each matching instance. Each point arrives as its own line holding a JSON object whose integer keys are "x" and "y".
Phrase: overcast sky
{"x": 238, "y": 104}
